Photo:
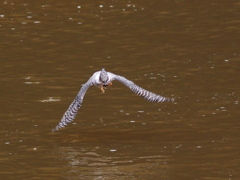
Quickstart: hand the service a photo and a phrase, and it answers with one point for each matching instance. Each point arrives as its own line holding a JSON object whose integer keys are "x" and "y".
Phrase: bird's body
{"x": 103, "y": 79}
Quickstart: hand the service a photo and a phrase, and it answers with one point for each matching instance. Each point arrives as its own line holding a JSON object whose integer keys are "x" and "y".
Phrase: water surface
{"x": 182, "y": 49}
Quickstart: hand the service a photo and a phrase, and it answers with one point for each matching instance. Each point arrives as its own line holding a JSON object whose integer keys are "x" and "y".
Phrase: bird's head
{"x": 104, "y": 77}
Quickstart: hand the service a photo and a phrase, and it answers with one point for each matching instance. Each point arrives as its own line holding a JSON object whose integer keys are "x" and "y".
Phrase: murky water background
{"x": 183, "y": 49}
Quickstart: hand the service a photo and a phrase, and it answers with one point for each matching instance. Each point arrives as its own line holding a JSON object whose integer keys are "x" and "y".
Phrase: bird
{"x": 103, "y": 79}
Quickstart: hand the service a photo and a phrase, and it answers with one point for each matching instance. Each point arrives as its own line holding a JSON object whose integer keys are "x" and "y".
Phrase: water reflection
{"x": 86, "y": 163}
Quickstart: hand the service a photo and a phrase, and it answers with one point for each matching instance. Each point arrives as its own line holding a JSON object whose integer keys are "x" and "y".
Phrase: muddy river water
{"x": 188, "y": 50}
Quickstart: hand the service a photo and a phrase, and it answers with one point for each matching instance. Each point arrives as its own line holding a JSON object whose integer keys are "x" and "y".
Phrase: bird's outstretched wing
{"x": 70, "y": 114}
{"x": 150, "y": 96}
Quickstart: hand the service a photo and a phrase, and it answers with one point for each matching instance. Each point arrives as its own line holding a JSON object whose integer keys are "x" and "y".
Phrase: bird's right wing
{"x": 70, "y": 114}
{"x": 150, "y": 96}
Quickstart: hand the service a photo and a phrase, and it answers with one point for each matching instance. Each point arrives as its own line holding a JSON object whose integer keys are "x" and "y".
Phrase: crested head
{"x": 103, "y": 70}
{"x": 103, "y": 76}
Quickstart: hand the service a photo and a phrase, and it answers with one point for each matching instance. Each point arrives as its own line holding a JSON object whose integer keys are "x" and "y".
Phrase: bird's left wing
{"x": 70, "y": 114}
{"x": 150, "y": 96}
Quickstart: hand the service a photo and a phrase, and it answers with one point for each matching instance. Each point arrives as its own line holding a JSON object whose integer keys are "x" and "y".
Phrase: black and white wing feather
{"x": 70, "y": 114}
{"x": 150, "y": 96}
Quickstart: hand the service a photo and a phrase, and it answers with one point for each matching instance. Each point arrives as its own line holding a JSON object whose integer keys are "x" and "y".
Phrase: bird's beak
{"x": 105, "y": 85}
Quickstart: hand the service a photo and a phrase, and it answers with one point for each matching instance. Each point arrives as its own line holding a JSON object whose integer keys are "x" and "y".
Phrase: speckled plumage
{"x": 103, "y": 79}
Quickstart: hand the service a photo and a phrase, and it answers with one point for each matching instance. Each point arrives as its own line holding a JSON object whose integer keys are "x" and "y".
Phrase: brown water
{"x": 189, "y": 50}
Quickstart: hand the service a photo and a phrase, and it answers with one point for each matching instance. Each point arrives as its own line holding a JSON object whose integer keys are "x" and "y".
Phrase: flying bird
{"x": 103, "y": 79}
